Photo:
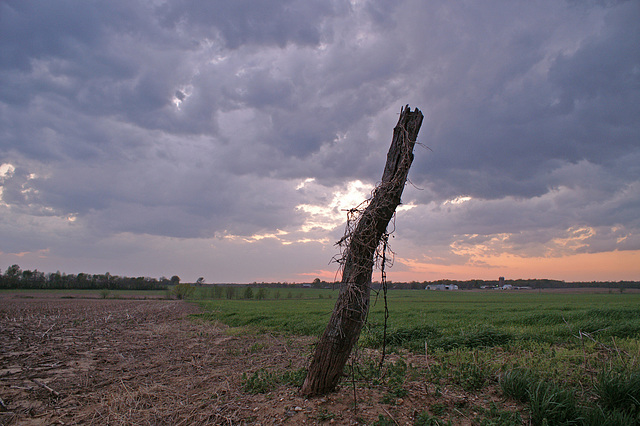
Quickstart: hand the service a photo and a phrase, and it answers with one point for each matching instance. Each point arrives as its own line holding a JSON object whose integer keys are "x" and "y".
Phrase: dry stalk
{"x": 44, "y": 386}
{"x": 390, "y": 416}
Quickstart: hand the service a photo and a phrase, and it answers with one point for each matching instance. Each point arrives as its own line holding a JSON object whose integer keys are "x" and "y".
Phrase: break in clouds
{"x": 224, "y": 139}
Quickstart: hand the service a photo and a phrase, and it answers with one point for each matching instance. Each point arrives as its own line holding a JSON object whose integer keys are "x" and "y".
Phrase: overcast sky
{"x": 223, "y": 139}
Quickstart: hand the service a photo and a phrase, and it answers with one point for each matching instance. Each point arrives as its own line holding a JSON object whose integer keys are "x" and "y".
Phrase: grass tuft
{"x": 551, "y": 405}
{"x": 261, "y": 381}
{"x": 619, "y": 391}
{"x": 515, "y": 384}
{"x": 264, "y": 381}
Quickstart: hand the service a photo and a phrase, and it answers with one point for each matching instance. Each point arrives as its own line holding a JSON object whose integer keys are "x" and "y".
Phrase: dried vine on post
{"x": 362, "y": 238}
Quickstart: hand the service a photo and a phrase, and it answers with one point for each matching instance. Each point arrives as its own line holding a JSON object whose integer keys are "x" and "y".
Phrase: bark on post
{"x": 352, "y": 305}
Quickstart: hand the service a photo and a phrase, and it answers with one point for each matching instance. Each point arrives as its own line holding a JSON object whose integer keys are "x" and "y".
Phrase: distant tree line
{"x": 16, "y": 278}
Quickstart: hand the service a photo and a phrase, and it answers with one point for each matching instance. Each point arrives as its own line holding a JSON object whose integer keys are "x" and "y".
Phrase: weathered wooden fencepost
{"x": 352, "y": 305}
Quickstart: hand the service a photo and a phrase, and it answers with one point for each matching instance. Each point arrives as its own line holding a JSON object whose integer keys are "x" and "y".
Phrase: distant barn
{"x": 441, "y": 287}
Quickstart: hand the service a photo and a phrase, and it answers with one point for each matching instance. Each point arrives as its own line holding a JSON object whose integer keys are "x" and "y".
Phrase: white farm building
{"x": 441, "y": 287}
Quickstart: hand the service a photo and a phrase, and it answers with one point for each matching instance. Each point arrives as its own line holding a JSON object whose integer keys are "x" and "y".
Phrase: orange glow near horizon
{"x": 585, "y": 267}
{"x": 607, "y": 266}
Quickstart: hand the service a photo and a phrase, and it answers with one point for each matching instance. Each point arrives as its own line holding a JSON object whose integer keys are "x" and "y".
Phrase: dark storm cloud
{"x": 32, "y": 30}
{"x": 247, "y": 22}
{"x": 522, "y": 124}
{"x": 195, "y": 119}
{"x": 69, "y": 60}
{"x": 592, "y": 209}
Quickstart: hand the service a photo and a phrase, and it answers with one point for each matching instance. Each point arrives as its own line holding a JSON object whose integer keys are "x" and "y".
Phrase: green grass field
{"x": 448, "y": 319}
{"x": 569, "y": 358}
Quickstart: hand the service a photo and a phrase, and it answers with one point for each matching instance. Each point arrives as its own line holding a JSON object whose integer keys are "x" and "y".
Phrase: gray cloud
{"x": 192, "y": 120}
{"x": 245, "y": 22}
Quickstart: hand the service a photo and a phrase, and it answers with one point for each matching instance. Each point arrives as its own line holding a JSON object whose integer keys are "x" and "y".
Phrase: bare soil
{"x": 70, "y": 360}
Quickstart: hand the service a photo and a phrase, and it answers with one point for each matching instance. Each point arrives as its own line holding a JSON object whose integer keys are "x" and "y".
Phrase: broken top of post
{"x": 400, "y": 155}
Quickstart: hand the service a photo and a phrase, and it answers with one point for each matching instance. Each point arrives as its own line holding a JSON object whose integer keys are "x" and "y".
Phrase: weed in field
{"x": 388, "y": 399}
{"x": 469, "y": 370}
{"x": 617, "y": 394}
{"x": 263, "y": 380}
{"x": 436, "y": 373}
{"x": 395, "y": 376}
{"x": 366, "y": 369}
{"x": 438, "y": 409}
{"x": 392, "y": 374}
{"x": 551, "y": 405}
{"x": 425, "y": 419}
{"x": 395, "y": 392}
{"x": 396, "y": 372}
{"x": 293, "y": 377}
{"x": 471, "y": 376}
{"x": 515, "y": 384}
{"x": 104, "y": 293}
{"x": 619, "y": 391}
{"x": 596, "y": 416}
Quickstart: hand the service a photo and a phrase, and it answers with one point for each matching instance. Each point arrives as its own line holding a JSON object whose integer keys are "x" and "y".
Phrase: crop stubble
{"x": 121, "y": 361}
